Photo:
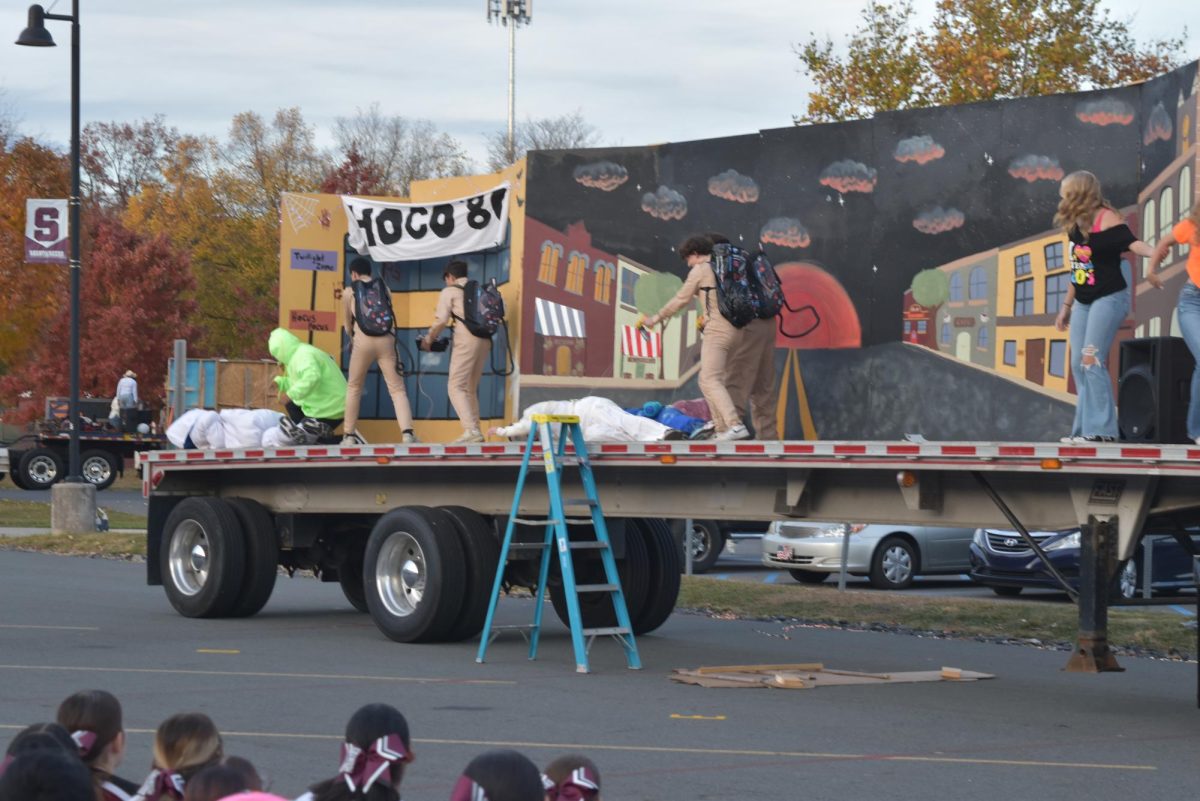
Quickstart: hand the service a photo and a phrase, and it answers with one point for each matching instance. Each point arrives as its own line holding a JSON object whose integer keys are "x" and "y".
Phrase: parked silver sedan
{"x": 889, "y": 555}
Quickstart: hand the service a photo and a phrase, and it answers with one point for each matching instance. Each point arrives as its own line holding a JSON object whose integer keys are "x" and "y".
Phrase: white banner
{"x": 46, "y": 235}
{"x": 411, "y": 231}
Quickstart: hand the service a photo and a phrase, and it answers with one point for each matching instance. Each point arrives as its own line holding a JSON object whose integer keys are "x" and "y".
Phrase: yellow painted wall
{"x": 1005, "y": 297}
{"x": 318, "y": 222}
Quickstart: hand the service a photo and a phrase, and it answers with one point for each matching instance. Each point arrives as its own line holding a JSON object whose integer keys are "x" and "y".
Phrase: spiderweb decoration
{"x": 301, "y": 211}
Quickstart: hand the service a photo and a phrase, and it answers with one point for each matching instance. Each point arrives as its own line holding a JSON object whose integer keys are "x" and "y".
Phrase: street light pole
{"x": 511, "y": 13}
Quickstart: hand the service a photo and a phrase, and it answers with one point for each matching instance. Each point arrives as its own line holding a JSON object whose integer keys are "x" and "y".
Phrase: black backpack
{"x": 766, "y": 287}
{"x": 373, "y": 308}
{"x": 483, "y": 308}
{"x": 735, "y": 297}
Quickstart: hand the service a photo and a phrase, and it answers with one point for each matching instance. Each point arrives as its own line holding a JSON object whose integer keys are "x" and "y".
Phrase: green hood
{"x": 283, "y": 344}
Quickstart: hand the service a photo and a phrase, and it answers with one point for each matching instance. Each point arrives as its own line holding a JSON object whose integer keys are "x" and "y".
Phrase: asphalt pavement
{"x": 112, "y": 500}
{"x": 281, "y": 685}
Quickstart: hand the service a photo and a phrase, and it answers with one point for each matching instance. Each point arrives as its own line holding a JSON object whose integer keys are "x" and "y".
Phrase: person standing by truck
{"x": 468, "y": 353}
{"x": 127, "y": 401}
{"x": 370, "y": 321}
{"x": 720, "y": 335}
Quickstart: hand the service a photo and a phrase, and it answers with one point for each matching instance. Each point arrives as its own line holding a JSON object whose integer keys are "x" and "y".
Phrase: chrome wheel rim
{"x": 1129, "y": 580}
{"x": 189, "y": 557}
{"x": 96, "y": 469}
{"x": 897, "y": 564}
{"x": 400, "y": 574}
{"x": 42, "y": 470}
{"x": 701, "y": 543}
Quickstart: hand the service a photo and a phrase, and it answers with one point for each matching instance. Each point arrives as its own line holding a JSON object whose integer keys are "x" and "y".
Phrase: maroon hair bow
{"x": 361, "y": 769}
{"x": 581, "y": 785}
{"x": 162, "y": 784}
{"x": 465, "y": 789}
{"x": 85, "y": 740}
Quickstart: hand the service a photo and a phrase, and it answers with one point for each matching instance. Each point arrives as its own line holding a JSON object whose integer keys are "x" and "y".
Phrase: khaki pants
{"x": 468, "y": 357}
{"x": 718, "y": 343}
{"x": 380, "y": 350}
{"x": 752, "y": 373}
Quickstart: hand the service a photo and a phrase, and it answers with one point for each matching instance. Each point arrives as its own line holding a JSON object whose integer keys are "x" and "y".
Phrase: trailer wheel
{"x": 350, "y": 571}
{"x": 597, "y": 607}
{"x": 40, "y": 468}
{"x": 202, "y": 557}
{"x": 262, "y": 556}
{"x": 664, "y": 575}
{"x": 481, "y": 549}
{"x": 14, "y": 462}
{"x": 413, "y": 574}
{"x": 707, "y": 544}
{"x": 99, "y": 468}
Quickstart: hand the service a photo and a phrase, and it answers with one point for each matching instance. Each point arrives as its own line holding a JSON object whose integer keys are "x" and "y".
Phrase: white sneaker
{"x": 736, "y": 432}
{"x": 1197, "y": 440}
{"x": 353, "y": 438}
{"x": 409, "y": 439}
{"x": 474, "y": 435}
{"x": 1070, "y": 440}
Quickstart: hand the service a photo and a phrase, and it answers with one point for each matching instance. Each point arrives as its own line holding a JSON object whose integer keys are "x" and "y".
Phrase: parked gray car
{"x": 889, "y": 555}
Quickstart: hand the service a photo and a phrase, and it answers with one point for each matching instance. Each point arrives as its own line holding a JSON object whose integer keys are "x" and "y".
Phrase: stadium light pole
{"x": 511, "y": 13}
{"x": 36, "y": 35}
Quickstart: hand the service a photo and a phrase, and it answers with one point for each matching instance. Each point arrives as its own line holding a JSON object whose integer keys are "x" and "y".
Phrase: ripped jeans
{"x": 1189, "y": 327}
{"x": 1093, "y": 327}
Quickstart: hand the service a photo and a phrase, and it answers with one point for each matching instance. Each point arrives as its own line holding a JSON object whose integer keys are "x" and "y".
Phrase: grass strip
{"x": 36, "y": 514}
{"x": 1161, "y": 632}
{"x": 109, "y": 544}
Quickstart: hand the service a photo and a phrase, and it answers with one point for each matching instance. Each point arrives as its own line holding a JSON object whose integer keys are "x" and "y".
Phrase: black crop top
{"x": 1096, "y": 263}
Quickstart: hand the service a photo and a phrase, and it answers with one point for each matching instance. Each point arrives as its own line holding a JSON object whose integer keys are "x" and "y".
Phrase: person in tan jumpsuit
{"x": 720, "y": 337}
{"x": 751, "y": 372}
{"x": 366, "y": 349}
{"x": 468, "y": 355}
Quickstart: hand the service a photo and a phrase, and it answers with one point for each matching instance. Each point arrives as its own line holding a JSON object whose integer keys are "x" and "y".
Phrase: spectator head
{"x": 46, "y": 775}
{"x": 42, "y": 737}
{"x": 184, "y": 745}
{"x": 500, "y": 776}
{"x": 360, "y": 267}
{"x": 455, "y": 270}
{"x": 572, "y": 777}
{"x": 93, "y": 719}
{"x": 698, "y": 245}
{"x": 233, "y": 776}
{"x": 376, "y": 749}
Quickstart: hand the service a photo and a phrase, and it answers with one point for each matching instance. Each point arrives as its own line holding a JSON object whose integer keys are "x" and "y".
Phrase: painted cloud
{"x": 665, "y": 204}
{"x": 921, "y": 149}
{"x": 786, "y": 232}
{"x": 849, "y": 176}
{"x": 1159, "y": 126}
{"x": 603, "y": 175}
{"x": 1036, "y": 168}
{"x": 732, "y": 185}
{"x": 939, "y": 220}
{"x": 1107, "y": 111}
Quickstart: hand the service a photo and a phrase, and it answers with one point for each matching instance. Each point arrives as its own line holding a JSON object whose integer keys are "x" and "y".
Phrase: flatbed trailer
{"x": 38, "y": 460}
{"x": 348, "y": 513}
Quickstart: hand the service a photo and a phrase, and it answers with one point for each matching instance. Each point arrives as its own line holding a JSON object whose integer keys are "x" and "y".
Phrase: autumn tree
{"x": 565, "y": 132}
{"x": 260, "y": 160}
{"x": 119, "y": 158}
{"x": 134, "y": 301}
{"x": 354, "y": 176}
{"x": 397, "y": 150}
{"x": 31, "y": 294}
{"x": 974, "y": 50}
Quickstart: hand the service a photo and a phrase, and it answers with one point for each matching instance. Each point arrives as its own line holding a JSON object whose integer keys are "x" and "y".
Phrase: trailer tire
{"x": 202, "y": 557}
{"x": 413, "y": 573}
{"x": 350, "y": 573}
{"x": 40, "y": 468}
{"x": 707, "y": 543}
{"x": 481, "y": 550}
{"x": 98, "y": 468}
{"x": 596, "y": 608}
{"x": 664, "y": 575}
{"x": 262, "y": 557}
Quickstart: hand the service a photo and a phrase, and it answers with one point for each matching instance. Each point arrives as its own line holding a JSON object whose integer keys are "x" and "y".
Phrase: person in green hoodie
{"x": 312, "y": 385}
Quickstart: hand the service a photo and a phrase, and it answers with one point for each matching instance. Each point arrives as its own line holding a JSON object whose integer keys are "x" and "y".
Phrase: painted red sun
{"x": 808, "y": 285}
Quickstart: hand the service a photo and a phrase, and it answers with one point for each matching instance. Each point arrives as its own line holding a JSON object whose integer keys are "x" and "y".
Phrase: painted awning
{"x": 557, "y": 320}
{"x": 640, "y": 344}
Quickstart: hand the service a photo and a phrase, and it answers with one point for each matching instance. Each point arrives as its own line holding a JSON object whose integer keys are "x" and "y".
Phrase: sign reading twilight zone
{"x": 46, "y": 231}
{"x": 411, "y": 231}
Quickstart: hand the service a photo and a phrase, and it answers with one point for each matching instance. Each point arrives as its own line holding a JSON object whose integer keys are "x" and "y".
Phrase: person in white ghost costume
{"x": 601, "y": 421}
{"x": 229, "y": 428}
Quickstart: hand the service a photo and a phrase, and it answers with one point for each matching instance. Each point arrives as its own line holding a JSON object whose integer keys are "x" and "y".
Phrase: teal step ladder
{"x": 554, "y": 457}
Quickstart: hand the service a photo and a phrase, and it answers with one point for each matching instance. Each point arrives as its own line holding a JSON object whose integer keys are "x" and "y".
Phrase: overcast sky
{"x": 641, "y": 71}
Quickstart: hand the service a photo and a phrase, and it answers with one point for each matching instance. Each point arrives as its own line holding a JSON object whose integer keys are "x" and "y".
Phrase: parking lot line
{"x": 217, "y": 651}
{"x": 771, "y": 578}
{"x": 266, "y": 675}
{"x": 659, "y": 749}
{"x": 52, "y": 628}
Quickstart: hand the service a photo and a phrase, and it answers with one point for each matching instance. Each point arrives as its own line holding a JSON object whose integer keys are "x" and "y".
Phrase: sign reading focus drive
{"x": 46, "y": 233}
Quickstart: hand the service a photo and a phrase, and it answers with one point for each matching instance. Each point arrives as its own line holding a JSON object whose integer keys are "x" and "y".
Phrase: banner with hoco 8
{"x": 46, "y": 231}
{"x": 412, "y": 231}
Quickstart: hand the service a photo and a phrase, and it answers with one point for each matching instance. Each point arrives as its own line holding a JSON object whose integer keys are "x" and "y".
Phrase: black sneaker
{"x": 1097, "y": 438}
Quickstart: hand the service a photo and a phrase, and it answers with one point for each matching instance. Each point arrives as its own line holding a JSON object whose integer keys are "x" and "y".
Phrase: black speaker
{"x": 1155, "y": 385}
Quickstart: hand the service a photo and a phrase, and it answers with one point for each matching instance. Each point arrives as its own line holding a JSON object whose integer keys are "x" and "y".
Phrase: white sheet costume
{"x": 601, "y": 421}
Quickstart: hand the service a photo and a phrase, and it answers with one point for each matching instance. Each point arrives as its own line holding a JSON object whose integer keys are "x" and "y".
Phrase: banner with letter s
{"x": 46, "y": 233}
{"x": 411, "y": 231}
